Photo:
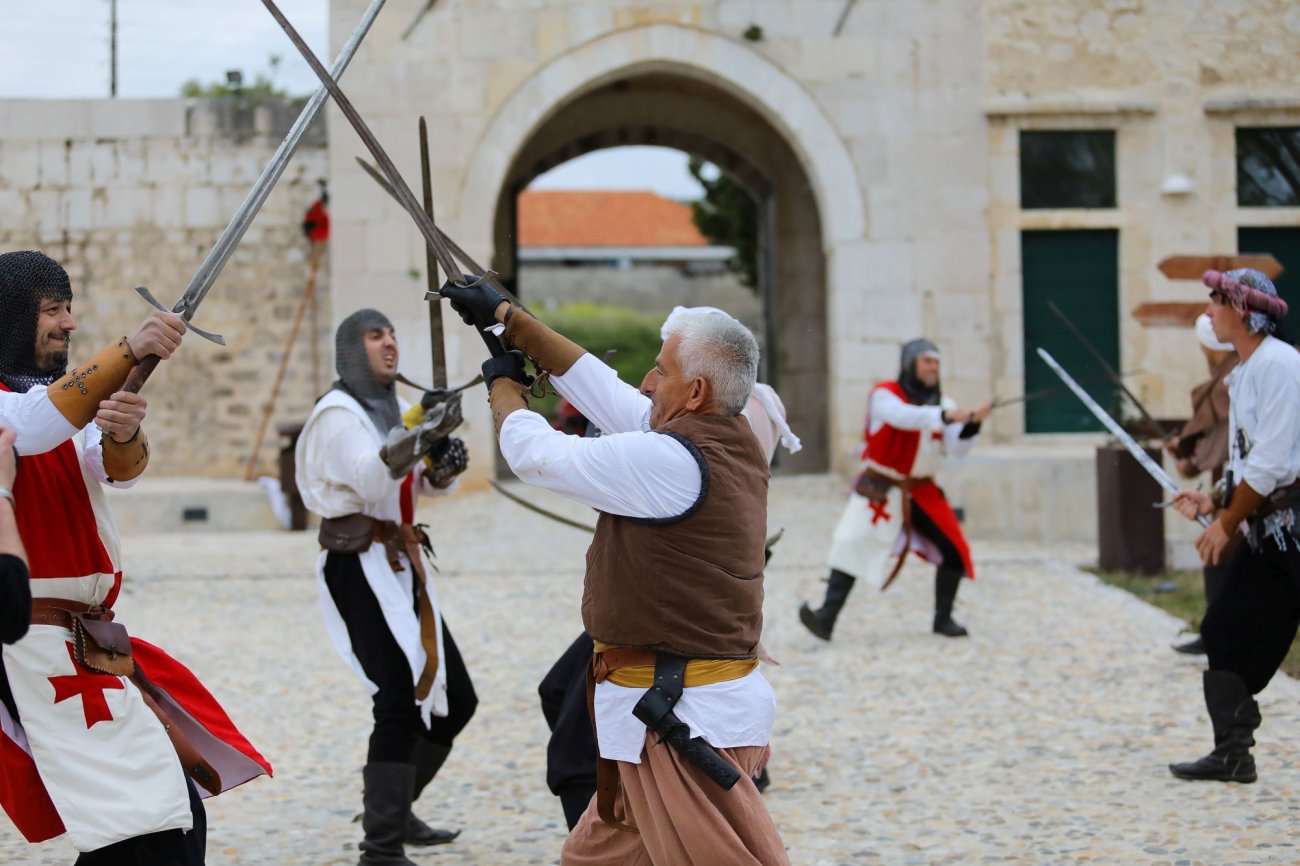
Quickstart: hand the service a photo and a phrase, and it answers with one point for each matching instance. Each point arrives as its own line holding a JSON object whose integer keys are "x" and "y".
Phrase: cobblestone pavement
{"x": 1043, "y": 738}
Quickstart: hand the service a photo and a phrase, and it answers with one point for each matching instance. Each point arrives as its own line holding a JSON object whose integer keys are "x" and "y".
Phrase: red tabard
{"x": 896, "y": 449}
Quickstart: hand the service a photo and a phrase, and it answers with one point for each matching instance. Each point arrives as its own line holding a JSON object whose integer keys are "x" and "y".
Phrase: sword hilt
{"x": 184, "y": 312}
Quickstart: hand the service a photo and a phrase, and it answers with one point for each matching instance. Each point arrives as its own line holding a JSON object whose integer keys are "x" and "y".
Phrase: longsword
{"x": 1108, "y": 370}
{"x": 437, "y": 242}
{"x": 221, "y": 251}
{"x": 1139, "y": 454}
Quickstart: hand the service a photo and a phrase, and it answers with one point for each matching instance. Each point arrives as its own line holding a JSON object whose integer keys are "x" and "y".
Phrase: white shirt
{"x": 886, "y": 407}
{"x": 41, "y": 427}
{"x": 1264, "y": 417}
{"x": 631, "y": 472}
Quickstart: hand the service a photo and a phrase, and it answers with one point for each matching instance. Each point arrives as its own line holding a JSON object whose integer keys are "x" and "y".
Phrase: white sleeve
{"x": 889, "y": 408}
{"x": 33, "y": 417}
{"x": 630, "y": 474}
{"x": 1269, "y": 460}
{"x": 92, "y": 457}
{"x": 343, "y": 453}
{"x": 595, "y": 389}
{"x": 954, "y": 445}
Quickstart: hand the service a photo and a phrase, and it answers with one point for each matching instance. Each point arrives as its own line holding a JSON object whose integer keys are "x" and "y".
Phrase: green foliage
{"x": 598, "y": 329}
{"x": 728, "y": 217}
{"x": 262, "y": 88}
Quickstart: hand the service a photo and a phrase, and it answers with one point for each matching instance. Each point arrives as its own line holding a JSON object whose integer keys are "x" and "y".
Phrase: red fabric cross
{"x": 90, "y": 685}
{"x": 879, "y": 511}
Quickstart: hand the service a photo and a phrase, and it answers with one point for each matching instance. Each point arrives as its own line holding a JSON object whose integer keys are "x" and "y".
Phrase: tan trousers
{"x": 683, "y": 818}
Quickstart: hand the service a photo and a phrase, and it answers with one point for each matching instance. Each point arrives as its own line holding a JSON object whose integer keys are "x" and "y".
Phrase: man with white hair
{"x": 674, "y": 586}
{"x": 1252, "y": 620}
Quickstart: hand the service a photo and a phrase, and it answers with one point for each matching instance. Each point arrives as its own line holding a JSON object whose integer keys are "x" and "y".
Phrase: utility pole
{"x": 112, "y": 48}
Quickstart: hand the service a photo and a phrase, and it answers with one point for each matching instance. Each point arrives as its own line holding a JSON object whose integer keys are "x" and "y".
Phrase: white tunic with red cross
{"x": 902, "y": 440}
{"x": 86, "y": 755}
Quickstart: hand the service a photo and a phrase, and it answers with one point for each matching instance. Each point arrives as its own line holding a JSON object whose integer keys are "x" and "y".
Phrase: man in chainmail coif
{"x": 119, "y": 775}
{"x": 377, "y": 596}
{"x": 895, "y": 506}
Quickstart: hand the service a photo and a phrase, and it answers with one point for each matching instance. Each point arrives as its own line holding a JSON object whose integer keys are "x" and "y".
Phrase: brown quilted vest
{"x": 689, "y": 585}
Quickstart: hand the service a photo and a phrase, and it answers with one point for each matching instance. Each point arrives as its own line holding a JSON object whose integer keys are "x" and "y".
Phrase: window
{"x": 1268, "y": 167}
{"x": 1072, "y": 169}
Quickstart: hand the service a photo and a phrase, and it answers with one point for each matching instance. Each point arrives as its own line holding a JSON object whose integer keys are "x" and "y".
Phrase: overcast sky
{"x": 59, "y": 49}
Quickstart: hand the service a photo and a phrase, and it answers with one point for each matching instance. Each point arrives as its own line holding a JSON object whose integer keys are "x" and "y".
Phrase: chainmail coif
{"x": 355, "y": 374}
{"x": 916, "y": 391}
{"x": 27, "y": 279}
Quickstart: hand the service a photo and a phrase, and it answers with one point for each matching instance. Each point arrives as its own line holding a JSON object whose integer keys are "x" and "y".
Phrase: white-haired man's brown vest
{"x": 691, "y": 585}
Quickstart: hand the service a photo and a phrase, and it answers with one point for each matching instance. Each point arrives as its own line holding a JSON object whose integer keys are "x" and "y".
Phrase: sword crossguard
{"x": 184, "y": 313}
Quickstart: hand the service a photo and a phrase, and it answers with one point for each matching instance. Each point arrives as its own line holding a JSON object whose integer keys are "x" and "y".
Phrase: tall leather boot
{"x": 1235, "y": 716}
{"x": 821, "y": 622}
{"x": 429, "y": 758}
{"x": 946, "y": 581}
{"x": 387, "y": 802}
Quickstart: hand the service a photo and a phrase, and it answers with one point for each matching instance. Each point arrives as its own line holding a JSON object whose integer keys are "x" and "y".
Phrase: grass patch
{"x": 1182, "y": 593}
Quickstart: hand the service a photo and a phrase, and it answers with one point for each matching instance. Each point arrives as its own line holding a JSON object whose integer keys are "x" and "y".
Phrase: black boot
{"x": 1193, "y": 647}
{"x": 946, "y": 581}
{"x": 387, "y": 802}
{"x": 429, "y": 758}
{"x": 822, "y": 621}
{"x": 1235, "y": 716}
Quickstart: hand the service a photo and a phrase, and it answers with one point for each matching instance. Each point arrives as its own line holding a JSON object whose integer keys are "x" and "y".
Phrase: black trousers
{"x": 166, "y": 848}
{"x": 922, "y": 523}
{"x": 1251, "y": 622}
{"x": 397, "y": 718}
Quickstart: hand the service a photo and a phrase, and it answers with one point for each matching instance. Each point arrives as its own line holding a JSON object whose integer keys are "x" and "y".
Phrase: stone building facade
{"x": 885, "y": 140}
{"x": 126, "y": 193}
{"x": 886, "y": 155}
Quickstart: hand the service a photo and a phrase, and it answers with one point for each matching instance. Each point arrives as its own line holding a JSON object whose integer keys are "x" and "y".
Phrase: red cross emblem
{"x": 879, "y": 511}
{"x": 90, "y": 686}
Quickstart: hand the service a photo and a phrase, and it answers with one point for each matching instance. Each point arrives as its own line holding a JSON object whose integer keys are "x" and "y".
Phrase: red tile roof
{"x": 604, "y": 218}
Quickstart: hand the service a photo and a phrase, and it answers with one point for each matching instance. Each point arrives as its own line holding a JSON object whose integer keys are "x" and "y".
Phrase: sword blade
{"x": 519, "y": 500}
{"x": 221, "y": 251}
{"x": 438, "y": 360}
{"x": 1139, "y": 454}
{"x": 404, "y": 195}
{"x": 1108, "y": 370}
{"x": 490, "y": 277}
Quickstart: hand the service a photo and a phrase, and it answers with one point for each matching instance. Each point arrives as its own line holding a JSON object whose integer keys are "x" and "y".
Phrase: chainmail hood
{"x": 27, "y": 279}
{"x": 355, "y": 374}
{"x": 917, "y": 392}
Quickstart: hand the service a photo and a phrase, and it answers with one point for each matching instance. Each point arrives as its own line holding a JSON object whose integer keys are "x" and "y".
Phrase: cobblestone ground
{"x": 1041, "y": 739}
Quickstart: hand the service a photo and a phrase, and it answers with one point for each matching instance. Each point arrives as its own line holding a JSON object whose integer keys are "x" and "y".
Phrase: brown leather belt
{"x": 905, "y": 485}
{"x": 1285, "y": 497}
{"x": 59, "y": 611}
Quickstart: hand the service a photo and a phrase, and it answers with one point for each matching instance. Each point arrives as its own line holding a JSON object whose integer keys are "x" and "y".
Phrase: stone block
{"x": 203, "y": 208}
{"x": 54, "y": 119}
{"x": 137, "y": 118}
{"x": 490, "y": 34}
{"x": 20, "y": 164}
{"x": 552, "y": 33}
{"x": 58, "y": 166}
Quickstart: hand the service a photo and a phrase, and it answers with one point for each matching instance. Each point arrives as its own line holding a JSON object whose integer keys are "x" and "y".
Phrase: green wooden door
{"x": 1078, "y": 271}
{"x": 1284, "y": 244}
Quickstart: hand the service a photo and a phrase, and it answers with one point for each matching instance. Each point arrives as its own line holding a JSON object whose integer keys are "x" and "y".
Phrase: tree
{"x": 262, "y": 88}
{"x": 728, "y": 216}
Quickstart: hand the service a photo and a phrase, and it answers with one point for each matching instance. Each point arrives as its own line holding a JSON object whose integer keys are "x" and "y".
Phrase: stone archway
{"x": 684, "y": 88}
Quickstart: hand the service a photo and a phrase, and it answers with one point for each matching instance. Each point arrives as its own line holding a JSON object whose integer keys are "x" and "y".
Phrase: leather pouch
{"x": 351, "y": 533}
{"x": 102, "y": 645}
{"x": 873, "y": 487}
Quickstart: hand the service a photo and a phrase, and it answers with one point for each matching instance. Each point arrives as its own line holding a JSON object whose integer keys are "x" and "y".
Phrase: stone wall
{"x": 128, "y": 193}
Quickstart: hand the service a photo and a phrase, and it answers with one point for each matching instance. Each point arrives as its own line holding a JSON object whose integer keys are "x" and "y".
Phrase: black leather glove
{"x": 476, "y": 304}
{"x": 510, "y": 365}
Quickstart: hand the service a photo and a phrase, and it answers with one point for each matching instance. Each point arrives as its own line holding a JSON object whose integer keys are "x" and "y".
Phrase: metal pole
{"x": 112, "y": 49}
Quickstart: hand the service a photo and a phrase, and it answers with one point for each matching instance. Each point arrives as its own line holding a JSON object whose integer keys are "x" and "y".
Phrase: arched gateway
{"x": 685, "y": 88}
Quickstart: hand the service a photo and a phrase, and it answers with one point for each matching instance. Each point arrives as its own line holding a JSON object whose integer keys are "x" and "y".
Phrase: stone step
{"x": 193, "y": 505}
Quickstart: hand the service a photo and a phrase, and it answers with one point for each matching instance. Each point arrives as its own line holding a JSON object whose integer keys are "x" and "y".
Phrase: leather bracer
{"x": 505, "y": 397}
{"x": 551, "y": 351}
{"x": 125, "y": 460}
{"x": 78, "y": 394}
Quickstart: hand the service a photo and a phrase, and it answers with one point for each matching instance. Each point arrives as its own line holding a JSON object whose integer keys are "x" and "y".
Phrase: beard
{"x": 53, "y": 354}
